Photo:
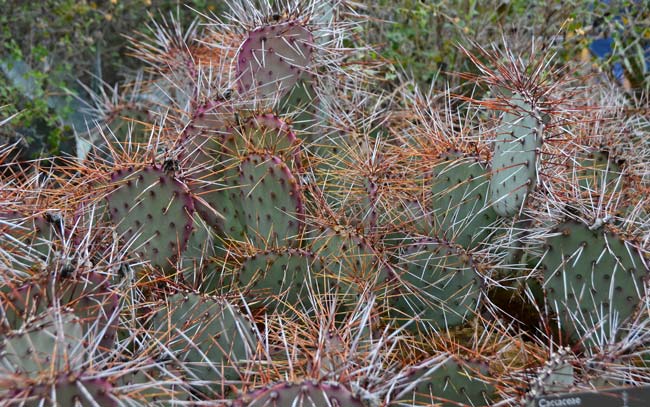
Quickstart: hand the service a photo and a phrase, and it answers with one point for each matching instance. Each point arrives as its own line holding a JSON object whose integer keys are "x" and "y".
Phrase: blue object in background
{"x": 602, "y": 48}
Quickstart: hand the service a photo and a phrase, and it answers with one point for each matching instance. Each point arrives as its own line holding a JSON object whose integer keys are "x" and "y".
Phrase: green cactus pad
{"x": 302, "y": 394}
{"x": 52, "y": 341}
{"x": 28, "y": 242}
{"x": 208, "y": 334}
{"x": 453, "y": 384}
{"x": 439, "y": 287}
{"x": 264, "y": 132}
{"x": 150, "y": 386}
{"x": 514, "y": 162}
{"x": 201, "y": 139}
{"x": 64, "y": 390}
{"x": 196, "y": 257}
{"x": 592, "y": 279}
{"x": 152, "y": 211}
{"x": 88, "y": 295}
{"x": 350, "y": 262}
{"x": 273, "y": 58}
{"x": 300, "y": 103}
{"x": 278, "y": 273}
{"x": 461, "y": 211}
{"x": 223, "y": 198}
{"x": 271, "y": 200}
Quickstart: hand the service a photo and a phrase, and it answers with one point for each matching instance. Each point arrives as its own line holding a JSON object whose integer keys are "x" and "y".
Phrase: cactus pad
{"x": 598, "y": 173}
{"x": 273, "y": 58}
{"x": 280, "y": 273}
{"x": 594, "y": 281}
{"x": 152, "y": 212}
{"x": 64, "y": 390}
{"x": 52, "y": 341}
{"x": 304, "y": 394}
{"x": 460, "y": 208}
{"x": 350, "y": 262}
{"x": 514, "y": 162}
{"x": 30, "y": 242}
{"x": 265, "y": 132}
{"x": 209, "y": 335}
{"x": 439, "y": 287}
{"x": 300, "y": 103}
{"x": 454, "y": 383}
{"x": 271, "y": 200}
{"x": 88, "y": 295}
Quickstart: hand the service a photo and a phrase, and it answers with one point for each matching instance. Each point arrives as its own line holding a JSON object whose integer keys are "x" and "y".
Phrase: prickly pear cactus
{"x": 460, "y": 199}
{"x": 350, "y": 263}
{"x": 32, "y": 241}
{"x": 152, "y": 212}
{"x": 452, "y": 384}
{"x": 598, "y": 173}
{"x": 515, "y": 158}
{"x": 278, "y": 274}
{"x": 439, "y": 287}
{"x": 88, "y": 295}
{"x": 271, "y": 200}
{"x": 273, "y": 58}
{"x": 64, "y": 390}
{"x": 52, "y": 341}
{"x": 557, "y": 375}
{"x": 594, "y": 281}
{"x": 299, "y": 394}
{"x": 264, "y": 132}
{"x": 209, "y": 335}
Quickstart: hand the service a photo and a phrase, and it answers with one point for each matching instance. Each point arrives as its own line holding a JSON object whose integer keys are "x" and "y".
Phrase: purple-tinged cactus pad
{"x": 273, "y": 58}
{"x": 308, "y": 393}
{"x": 152, "y": 212}
{"x": 272, "y": 201}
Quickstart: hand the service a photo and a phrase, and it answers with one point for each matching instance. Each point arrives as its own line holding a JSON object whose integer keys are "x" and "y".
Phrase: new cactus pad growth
{"x": 515, "y": 157}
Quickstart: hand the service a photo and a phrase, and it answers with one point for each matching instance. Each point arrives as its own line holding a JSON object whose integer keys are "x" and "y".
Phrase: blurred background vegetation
{"x": 49, "y": 47}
